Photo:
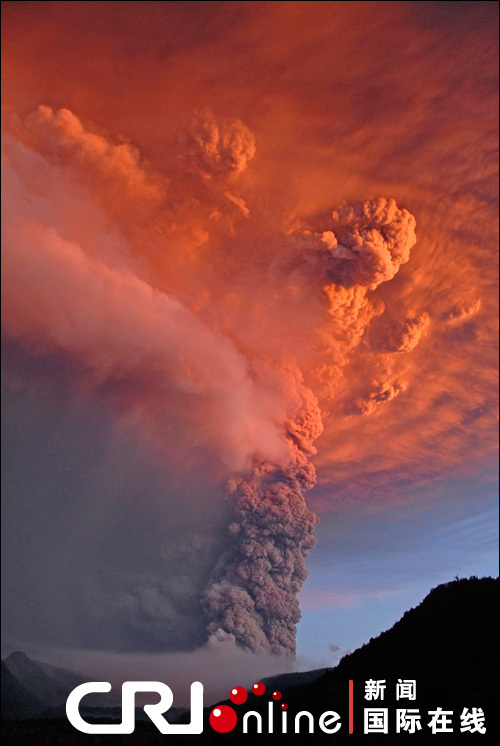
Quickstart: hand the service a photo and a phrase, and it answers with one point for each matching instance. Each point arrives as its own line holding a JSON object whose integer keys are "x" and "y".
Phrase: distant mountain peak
{"x": 17, "y": 656}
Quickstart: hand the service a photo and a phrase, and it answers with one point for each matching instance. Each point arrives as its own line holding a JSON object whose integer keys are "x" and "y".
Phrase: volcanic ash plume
{"x": 252, "y": 598}
{"x": 253, "y": 595}
{"x": 249, "y": 370}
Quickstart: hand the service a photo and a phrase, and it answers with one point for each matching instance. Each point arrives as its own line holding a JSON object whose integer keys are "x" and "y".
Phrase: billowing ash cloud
{"x": 401, "y": 336}
{"x": 382, "y": 390}
{"x": 218, "y": 147}
{"x": 366, "y": 243}
{"x": 199, "y": 359}
{"x": 115, "y": 167}
{"x": 253, "y": 594}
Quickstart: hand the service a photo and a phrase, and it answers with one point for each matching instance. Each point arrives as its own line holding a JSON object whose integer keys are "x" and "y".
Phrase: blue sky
{"x": 371, "y": 565}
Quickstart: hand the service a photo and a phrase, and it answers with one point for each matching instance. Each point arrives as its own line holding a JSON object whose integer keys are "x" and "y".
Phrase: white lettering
{"x": 327, "y": 719}
{"x": 258, "y": 720}
{"x": 154, "y": 712}
{"x": 308, "y": 716}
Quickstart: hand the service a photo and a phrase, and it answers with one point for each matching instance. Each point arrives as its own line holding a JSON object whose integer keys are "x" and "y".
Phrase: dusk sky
{"x": 250, "y": 276}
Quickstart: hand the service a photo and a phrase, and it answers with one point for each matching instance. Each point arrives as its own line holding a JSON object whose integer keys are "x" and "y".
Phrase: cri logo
{"x": 154, "y": 712}
{"x": 223, "y": 718}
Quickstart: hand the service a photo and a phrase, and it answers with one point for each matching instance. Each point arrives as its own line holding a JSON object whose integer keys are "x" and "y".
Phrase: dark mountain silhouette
{"x": 286, "y": 681}
{"x": 17, "y": 702}
{"x": 32, "y": 688}
{"x": 448, "y": 644}
{"x": 47, "y": 684}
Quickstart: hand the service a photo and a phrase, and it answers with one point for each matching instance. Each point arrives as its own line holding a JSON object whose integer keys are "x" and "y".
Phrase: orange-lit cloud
{"x": 195, "y": 217}
{"x": 162, "y": 359}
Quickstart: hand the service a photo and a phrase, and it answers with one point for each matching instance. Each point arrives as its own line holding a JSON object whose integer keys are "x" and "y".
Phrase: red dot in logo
{"x": 276, "y": 695}
{"x": 238, "y": 695}
{"x": 284, "y": 706}
{"x": 223, "y": 719}
{"x": 258, "y": 688}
